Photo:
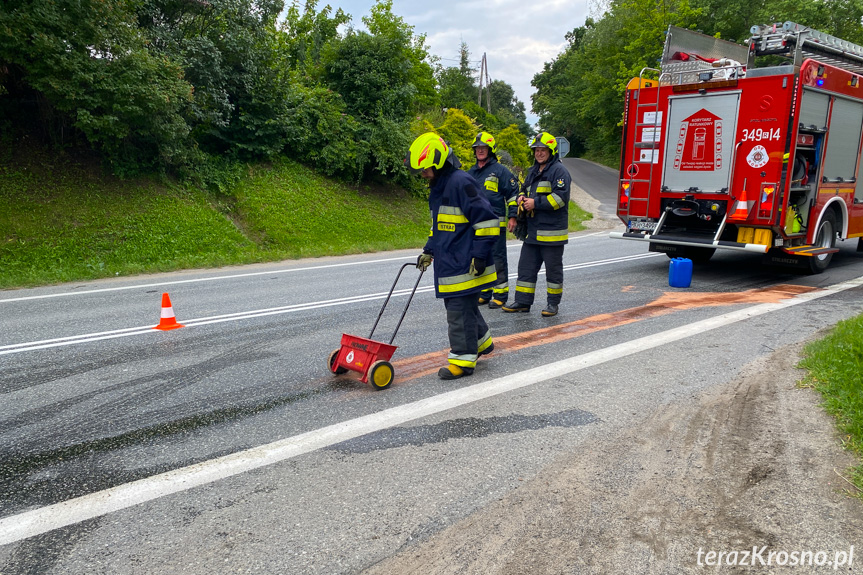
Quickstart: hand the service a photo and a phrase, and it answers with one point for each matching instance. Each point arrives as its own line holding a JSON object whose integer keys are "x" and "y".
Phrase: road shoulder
{"x": 751, "y": 463}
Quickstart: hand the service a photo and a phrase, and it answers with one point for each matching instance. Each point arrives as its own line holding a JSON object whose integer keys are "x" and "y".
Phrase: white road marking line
{"x": 207, "y": 279}
{"x": 215, "y": 278}
{"x": 142, "y": 330}
{"x": 44, "y": 519}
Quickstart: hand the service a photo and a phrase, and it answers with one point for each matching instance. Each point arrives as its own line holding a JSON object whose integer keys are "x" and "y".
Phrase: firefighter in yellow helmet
{"x": 501, "y": 190}
{"x": 544, "y": 198}
{"x": 464, "y": 229}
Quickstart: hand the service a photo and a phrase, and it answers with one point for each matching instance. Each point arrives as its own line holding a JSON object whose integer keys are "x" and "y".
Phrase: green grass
{"x": 64, "y": 220}
{"x": 577, "y": 216}
{"x": 835, "y": 365}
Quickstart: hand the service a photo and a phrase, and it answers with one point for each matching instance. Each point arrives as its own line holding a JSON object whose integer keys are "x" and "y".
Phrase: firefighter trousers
{"x": 498, "y": 253}
{"x": 469, "y": 335}
{"x": 531, "y": 259}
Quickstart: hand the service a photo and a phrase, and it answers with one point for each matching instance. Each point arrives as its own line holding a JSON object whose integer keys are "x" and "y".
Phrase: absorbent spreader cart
{"x": 367, "y": 356}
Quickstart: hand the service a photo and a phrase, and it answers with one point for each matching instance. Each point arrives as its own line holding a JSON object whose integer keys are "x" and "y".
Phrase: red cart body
{"x": 360, "y": 353}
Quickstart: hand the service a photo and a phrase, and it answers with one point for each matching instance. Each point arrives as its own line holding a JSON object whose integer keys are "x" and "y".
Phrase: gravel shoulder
{"x": 752, "y": 463}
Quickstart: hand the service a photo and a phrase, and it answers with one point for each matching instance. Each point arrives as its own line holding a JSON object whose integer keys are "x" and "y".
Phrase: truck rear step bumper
{"x": 694, "y": 242}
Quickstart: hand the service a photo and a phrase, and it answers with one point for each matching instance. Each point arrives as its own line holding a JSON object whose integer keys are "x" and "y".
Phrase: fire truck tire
{"x": 332, "y": 363}
{"x": 381, "y": 375}
{"x": 825, "y": 238}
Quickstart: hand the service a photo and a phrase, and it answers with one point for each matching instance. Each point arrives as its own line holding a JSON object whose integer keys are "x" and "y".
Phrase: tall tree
{"x": 457, "y": 85}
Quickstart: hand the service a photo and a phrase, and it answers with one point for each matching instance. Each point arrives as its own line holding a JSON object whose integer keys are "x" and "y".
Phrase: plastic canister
{"x": 680, "y": 272}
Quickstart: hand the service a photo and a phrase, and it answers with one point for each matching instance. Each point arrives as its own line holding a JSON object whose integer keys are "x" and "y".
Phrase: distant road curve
{"x": 594, "y": 188}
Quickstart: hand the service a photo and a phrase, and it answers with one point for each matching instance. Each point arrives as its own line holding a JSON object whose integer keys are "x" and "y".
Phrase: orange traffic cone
{"x": 741, "y": 209}
{"x": 168, "y": 321}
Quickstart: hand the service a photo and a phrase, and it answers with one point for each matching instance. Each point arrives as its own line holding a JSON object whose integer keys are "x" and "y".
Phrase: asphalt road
{"x": 228, "y": 446}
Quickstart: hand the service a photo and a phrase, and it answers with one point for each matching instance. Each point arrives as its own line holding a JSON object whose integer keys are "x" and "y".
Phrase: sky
{"x": 517, "y": 36}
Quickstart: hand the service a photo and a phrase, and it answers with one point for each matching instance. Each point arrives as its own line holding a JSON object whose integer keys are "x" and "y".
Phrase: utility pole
{"x": 483, "y": 75}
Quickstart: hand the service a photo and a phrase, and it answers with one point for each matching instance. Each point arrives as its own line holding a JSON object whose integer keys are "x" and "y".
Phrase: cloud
{"x": 517, "y": 37}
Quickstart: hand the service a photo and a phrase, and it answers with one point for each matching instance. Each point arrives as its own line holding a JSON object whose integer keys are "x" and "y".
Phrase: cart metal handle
{"x": 407, "y": 305}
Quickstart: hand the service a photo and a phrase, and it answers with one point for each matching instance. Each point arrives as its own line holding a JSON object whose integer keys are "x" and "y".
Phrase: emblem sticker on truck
{"x": 758, "y": 157}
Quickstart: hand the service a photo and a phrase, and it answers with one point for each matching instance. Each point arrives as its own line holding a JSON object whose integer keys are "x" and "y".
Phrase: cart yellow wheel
{"x": 381, "y": 375}
{"x": 332, "y": 363}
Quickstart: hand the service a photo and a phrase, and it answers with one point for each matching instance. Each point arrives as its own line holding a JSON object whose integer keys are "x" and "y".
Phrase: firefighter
{"x": 464, "y": 229}
{"x": 501, "y": 189}
{"x": 544, "y": 201}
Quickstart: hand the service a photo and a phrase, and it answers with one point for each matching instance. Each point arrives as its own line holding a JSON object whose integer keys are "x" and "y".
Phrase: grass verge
{"x": 835, "y": 365}
{"x": 63, "y": 220}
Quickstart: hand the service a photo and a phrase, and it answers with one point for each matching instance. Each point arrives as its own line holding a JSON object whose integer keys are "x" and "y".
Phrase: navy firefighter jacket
{"x": 549, "y": 225}
{"x": 463, "y": 227}
{"x": 501, "y": 188}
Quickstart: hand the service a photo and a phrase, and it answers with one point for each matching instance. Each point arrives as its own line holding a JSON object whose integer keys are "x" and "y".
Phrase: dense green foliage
{"x": 835, "y": 364}
{"x": 179, "y": 86}
{"x": 64, "y": 221}
{"x": 580, "y": 93}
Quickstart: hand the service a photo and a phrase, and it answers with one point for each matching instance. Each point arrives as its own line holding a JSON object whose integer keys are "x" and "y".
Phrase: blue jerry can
{"x": 680, "y": 272}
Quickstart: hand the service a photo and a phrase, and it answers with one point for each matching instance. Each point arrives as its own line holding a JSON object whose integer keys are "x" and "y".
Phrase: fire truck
{"x": 753, "y": 148}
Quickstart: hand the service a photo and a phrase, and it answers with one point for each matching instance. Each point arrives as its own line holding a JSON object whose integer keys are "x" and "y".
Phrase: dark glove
{"x": 477, "y": 266}
{"x": 520, "y": 231}
{"x": 424, "y": 261}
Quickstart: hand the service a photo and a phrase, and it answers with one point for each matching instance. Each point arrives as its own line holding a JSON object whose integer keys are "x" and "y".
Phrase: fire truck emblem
{"x": 350, "y": 357}
{"x": 757, "y": 157}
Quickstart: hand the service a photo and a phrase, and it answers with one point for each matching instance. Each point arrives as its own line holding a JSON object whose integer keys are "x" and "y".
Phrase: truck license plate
{"x": 644, "y": 226}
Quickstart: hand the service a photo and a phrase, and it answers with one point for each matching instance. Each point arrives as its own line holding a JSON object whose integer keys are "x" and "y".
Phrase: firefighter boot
{"x": 484, "y": 298}
{"x": 452, "y": 371}
{"x": 496, "y": 304}
{"x": 550, "y": 310}
{"x": 516, "y": 307}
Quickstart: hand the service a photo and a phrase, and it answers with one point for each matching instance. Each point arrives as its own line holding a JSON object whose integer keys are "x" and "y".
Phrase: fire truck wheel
{"x": 381, "y": 375}
{"x": 825, "y": 238}
{"x": 332, "y": 363}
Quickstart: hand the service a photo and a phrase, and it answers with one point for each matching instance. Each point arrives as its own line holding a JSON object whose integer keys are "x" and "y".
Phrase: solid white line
{"x": 140, "y": 330}
{"x": 44, "y": 519}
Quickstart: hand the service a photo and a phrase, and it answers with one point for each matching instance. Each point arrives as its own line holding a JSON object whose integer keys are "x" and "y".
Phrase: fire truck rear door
{"x": 700, "y": 142}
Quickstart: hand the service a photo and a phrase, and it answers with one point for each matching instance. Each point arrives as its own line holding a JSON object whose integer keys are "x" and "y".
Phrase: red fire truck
{"x": 721, "y": 153}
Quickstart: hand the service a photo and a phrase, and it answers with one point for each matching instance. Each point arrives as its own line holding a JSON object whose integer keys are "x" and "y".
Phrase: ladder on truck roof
{"x": 799, "y": 42}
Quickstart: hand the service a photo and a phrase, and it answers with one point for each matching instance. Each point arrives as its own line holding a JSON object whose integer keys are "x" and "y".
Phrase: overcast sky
{"x": 517, "y": 36}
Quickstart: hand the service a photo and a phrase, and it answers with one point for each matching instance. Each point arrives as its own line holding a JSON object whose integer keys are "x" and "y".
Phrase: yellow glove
{"x": 424, "y": 261}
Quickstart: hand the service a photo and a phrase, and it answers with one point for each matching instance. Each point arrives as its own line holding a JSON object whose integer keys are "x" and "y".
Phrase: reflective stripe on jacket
{"x": 500, "y": 186}
{"x": 549, "y": 224}
{"x": 463, "y": 227}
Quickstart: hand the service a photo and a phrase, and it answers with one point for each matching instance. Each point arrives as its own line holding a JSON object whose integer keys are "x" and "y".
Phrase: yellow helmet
{"x": 485, "y": 139}
{"x": 427, "y": 151}
{"x": 544, "y": 140}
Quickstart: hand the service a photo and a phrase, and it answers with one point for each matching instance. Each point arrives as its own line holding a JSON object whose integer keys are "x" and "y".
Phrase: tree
{"x": 88, "y": 67}
{"x": 457, "y": 85}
